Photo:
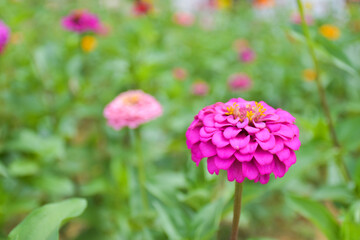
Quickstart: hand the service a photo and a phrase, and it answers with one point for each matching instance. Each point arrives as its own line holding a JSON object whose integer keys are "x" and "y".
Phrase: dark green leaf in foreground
{"x": 44, "y": 223}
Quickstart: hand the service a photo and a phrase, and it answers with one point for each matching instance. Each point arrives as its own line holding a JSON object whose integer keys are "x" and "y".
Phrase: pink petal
{"x": 279, "y": 145}
{"x": 219, "y": 140}
{"x": 235, "y": 172}
{"x": 223, "y": 124}
{"x": 263, "y": 157}
{"x": 219, "y": 118}
{"x": 211, "y": 166}
{"x": 204, "y": 134}
{"x": 250, "y": 170}
{"x": 294, "y": 143}
{"x": 273, "y": 127}
{"x": 263, "y": 135}
{"x": 207, "y": 149}
{"x": 243, "y": 124}
{"x": 250, "y": 148}
{"x": 240, "y": 141}
{"x": 195, "y": 151}
{"x": 209, "y": 120}
{"x": 290, "y": 160}
{"x": 231, "y": 132}
{"x": 265, "y": 169}
{"x": 225, "y": 152}
{"x": 270, "y": 117}
{"x": 223, "y": 163}
{"x": 251, "y": 129}
{"x": 210, "y": 129}
{"x": 295, "y": 129}
{"x": 283, "y": 154}
{"x": 193, "y": 135}
{"x": 269, "y": 144}
{"x": 279, "y": 169}
{"x": 285, "y": 131}
{"x": 243, "y": 157}
{"x": 259, "y": 125}
{"x": 264, "y": 179}
{"x": 231, "y": 119}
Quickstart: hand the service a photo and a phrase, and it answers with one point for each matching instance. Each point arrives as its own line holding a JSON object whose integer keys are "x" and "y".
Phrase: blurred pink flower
{"x": 183, "y": 19}
{"x": 239, "y": 81}
{"x": 179, "y": 73}
{"x": 247, "y": 55}
{"x": 296, "y": 19}
{"x": 141, "y": 7}
{"x": 81, "y": 21}
{"x": 131, "y": 109}
{"x": 245, "y": 138}
{"x": 200, "y": 88}
{"x": 4, "y": 36}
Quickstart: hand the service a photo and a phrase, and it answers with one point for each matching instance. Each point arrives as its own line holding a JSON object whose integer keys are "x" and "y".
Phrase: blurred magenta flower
{"x": 296, "y": 19}
{"x": 131, "y": 109}
{"x": 142, "y": 7}
{"x": 200, "y": 88}
{"x": 81, "y": 21}
{"x": 179, "y": 73}
{"x": 183, "y": 19}
{"x": 247, "y": 55}
{"x": 239, "y": 81}
{"x": 245, "y": 138}
{"x": 4, "y": 36}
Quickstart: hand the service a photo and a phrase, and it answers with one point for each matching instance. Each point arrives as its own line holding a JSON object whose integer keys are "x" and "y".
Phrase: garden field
{"x": 159, "y": 119}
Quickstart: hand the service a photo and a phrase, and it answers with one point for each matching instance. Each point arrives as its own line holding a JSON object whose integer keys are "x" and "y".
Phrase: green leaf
{"x": 44, "y": 223}
{"x": 350, "y": 228}
{"x": 317, "y": 214}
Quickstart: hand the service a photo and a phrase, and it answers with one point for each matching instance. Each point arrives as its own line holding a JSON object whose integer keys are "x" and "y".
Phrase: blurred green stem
{"x": 321, "y": 91}
{"x": 141, "y": 167}
{"x": 237, "y": 210}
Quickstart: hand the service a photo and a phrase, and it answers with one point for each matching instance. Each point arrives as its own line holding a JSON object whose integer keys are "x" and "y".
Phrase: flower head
{"x": 200, "y": 88}
{"x": 239, "y": 81}
{"x": 131, "y": 109}
{"x": 88, "y": 43}
{"x": 309, "y": 75}
{"x": 247, "y": 55}
{"x": 264, "y": 3}
{"x": 296, "y": 19}
{"x": 183, "y": 19}
{"x": 179, "y": 73}
{"x": 245, "y": 138}
{"x": 329, "y": 31}
{"x": 224, "y": 4}
{"x": 142, "y": 7}
{"x": 81, "y": 21}
{"x": 4, "y": 36}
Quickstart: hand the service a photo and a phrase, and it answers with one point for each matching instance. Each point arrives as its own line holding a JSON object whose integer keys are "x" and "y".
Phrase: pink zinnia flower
{"x": 247, "y": 55}
{"x": 245, "y": 138}
{"x": 239, "y": 81}
{"x": 82, "y": 21}
{"x": 183, "y": 19}
{"x": 4, "y": 36}
{"x": 296, "y": 19}
{"x": 132, "y": 108}
{"x": 141, "y": 7}
{"x": 179, "y": 73}
{"x": 200, "y": 88}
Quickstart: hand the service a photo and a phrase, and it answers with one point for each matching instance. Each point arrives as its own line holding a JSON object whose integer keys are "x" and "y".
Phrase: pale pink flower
{"x": 296, "y": 19}
{"x": 200, "y": 88}
{"x": 247, "y": 55}
{"x": 131, "y": 109}
{"x": 81, "y": 21}
{"x": 239, "y": 81}
{"x": 4, "y": 36}
{"x": 245, "y": 138}
{"x": 179, "y": 73}
{"x": 184, "y": 19}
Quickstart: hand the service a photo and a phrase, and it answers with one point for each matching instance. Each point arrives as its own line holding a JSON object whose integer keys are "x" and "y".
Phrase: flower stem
{"x": 237, "y": 210}
{"x": 141, "y": 168}
{"x": 321, "y": 91}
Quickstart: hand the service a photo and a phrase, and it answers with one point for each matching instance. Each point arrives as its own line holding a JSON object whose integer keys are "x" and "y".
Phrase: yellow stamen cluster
{"x": 131, "y": 100}
{"x": 250, "y": 112}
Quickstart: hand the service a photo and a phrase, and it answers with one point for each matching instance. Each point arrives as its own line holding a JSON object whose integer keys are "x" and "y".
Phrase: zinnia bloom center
{"x": 131, "y": 100}
{"x": 253, "y": 113}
